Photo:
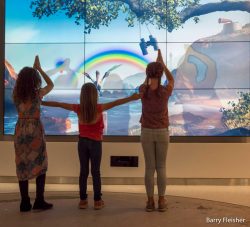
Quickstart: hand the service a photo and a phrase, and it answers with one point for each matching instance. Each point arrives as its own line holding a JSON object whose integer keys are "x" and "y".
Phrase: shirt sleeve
{"x": 142, "y": 88}
{"x": 99, "y": 108}
{"x": 76, "y": 108}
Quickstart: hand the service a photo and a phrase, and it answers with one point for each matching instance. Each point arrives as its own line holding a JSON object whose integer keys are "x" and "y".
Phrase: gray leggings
{"x": 155, "y": 145}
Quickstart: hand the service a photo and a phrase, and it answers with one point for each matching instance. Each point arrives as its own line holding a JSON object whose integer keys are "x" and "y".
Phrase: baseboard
{"x": 140, "y": 181}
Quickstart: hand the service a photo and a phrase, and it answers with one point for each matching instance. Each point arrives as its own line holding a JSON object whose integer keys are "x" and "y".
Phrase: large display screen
{"x": 206, "y": 46}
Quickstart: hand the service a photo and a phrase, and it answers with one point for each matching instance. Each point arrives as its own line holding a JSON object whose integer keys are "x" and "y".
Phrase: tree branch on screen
{"x": 199, "y": 10}
{"x": 164, "y": 14}
{"x": 238, "y": 113}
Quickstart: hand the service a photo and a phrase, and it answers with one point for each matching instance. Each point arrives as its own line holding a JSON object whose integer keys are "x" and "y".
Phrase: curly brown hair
{"x": 154, "y": 70}
{"x": 27, "y": 85}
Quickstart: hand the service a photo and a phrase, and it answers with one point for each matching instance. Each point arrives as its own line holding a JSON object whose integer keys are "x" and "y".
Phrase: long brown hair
{"x": 153, "y": 70}
{"x": 27, "y": 85}
{"x": 88, "y": 103}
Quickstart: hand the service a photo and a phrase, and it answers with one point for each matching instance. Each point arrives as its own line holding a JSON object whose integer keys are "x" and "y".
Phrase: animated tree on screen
{"x": 109, "y": 43}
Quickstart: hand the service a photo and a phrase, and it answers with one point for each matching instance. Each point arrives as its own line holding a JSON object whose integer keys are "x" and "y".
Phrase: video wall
{"x": 110, "y": 43}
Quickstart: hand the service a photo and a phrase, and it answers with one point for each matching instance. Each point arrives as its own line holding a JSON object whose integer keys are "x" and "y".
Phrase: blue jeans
{"x": 155, "y": 145}
{"x": 90, "y": 150}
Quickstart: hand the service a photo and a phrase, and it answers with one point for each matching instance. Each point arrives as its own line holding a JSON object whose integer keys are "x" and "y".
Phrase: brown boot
{"x": 83, "y": 204}
{"x": 99, "y": 204}
{"x": 162, "y": 204}
{"x": 150, "y": 204}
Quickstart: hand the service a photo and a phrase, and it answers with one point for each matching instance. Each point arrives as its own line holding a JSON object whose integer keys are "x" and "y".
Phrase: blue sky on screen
{"x": 22, "y": 27}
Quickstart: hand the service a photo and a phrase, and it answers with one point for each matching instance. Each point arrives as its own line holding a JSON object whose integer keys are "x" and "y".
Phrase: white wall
{"x": 185, "y": 160}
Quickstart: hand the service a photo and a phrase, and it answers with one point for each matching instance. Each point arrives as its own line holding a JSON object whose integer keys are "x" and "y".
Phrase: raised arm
{"x": 168, "y": 74}
{"x": 45, "y": 90}
{"x": 109, "y": 105}
{"x": 63, "y": 105}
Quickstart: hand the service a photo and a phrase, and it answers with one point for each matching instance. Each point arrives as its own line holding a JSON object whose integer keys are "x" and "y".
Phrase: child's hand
{"x": 136, "y": 96}
{"x": 37, "y": 64}
{"x": 159, "y": 57}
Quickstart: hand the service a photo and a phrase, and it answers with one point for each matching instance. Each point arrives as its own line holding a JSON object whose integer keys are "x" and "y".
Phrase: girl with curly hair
{"x": 29, "y": 141}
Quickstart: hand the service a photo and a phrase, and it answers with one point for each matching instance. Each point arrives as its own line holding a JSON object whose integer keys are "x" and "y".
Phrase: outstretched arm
{"x": 168, "y": 74}
{"x": 109, "y": 105}
{"x": 63, "y": 105}
{"x": 45, "y": 90}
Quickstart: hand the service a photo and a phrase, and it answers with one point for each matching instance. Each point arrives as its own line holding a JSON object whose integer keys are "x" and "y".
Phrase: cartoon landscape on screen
{"x": 206, "y": 45}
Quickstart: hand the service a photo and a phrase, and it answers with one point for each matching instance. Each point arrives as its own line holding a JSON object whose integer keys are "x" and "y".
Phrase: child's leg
{"x": 40, "y": 185}
{"x": 24, "y": 189}
{"x": 149, "y": 157}
{"x": 148, "y": 146}
{"x": 95, "y": 157}
{"x": 25, "y": 199}
{"x": 40, "y": 203}
{"x": 161, "y": 156}
{"x": 83, "y": 152}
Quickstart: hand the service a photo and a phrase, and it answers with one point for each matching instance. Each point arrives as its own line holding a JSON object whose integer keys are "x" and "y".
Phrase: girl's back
{"x": 30, "y": 109}
{"x": 155, "y": 107}
{"x": 93, "y": 130}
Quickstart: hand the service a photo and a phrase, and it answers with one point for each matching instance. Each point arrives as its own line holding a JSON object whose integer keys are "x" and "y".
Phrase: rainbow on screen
{"x": 111, "y": 56}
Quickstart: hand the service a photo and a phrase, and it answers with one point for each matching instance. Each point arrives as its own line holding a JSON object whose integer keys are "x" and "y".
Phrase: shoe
{"x": 42, "y": 205}
{"x": 162, "y": 205}
{"x": 25, "y": 205}
{"x": 150, "y": 206}
{"x": 99, "y": 204}
{"x": 83, "y": 204}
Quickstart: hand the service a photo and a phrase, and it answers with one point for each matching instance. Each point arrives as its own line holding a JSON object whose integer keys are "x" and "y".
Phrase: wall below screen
{"x": 185, "y": 160}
